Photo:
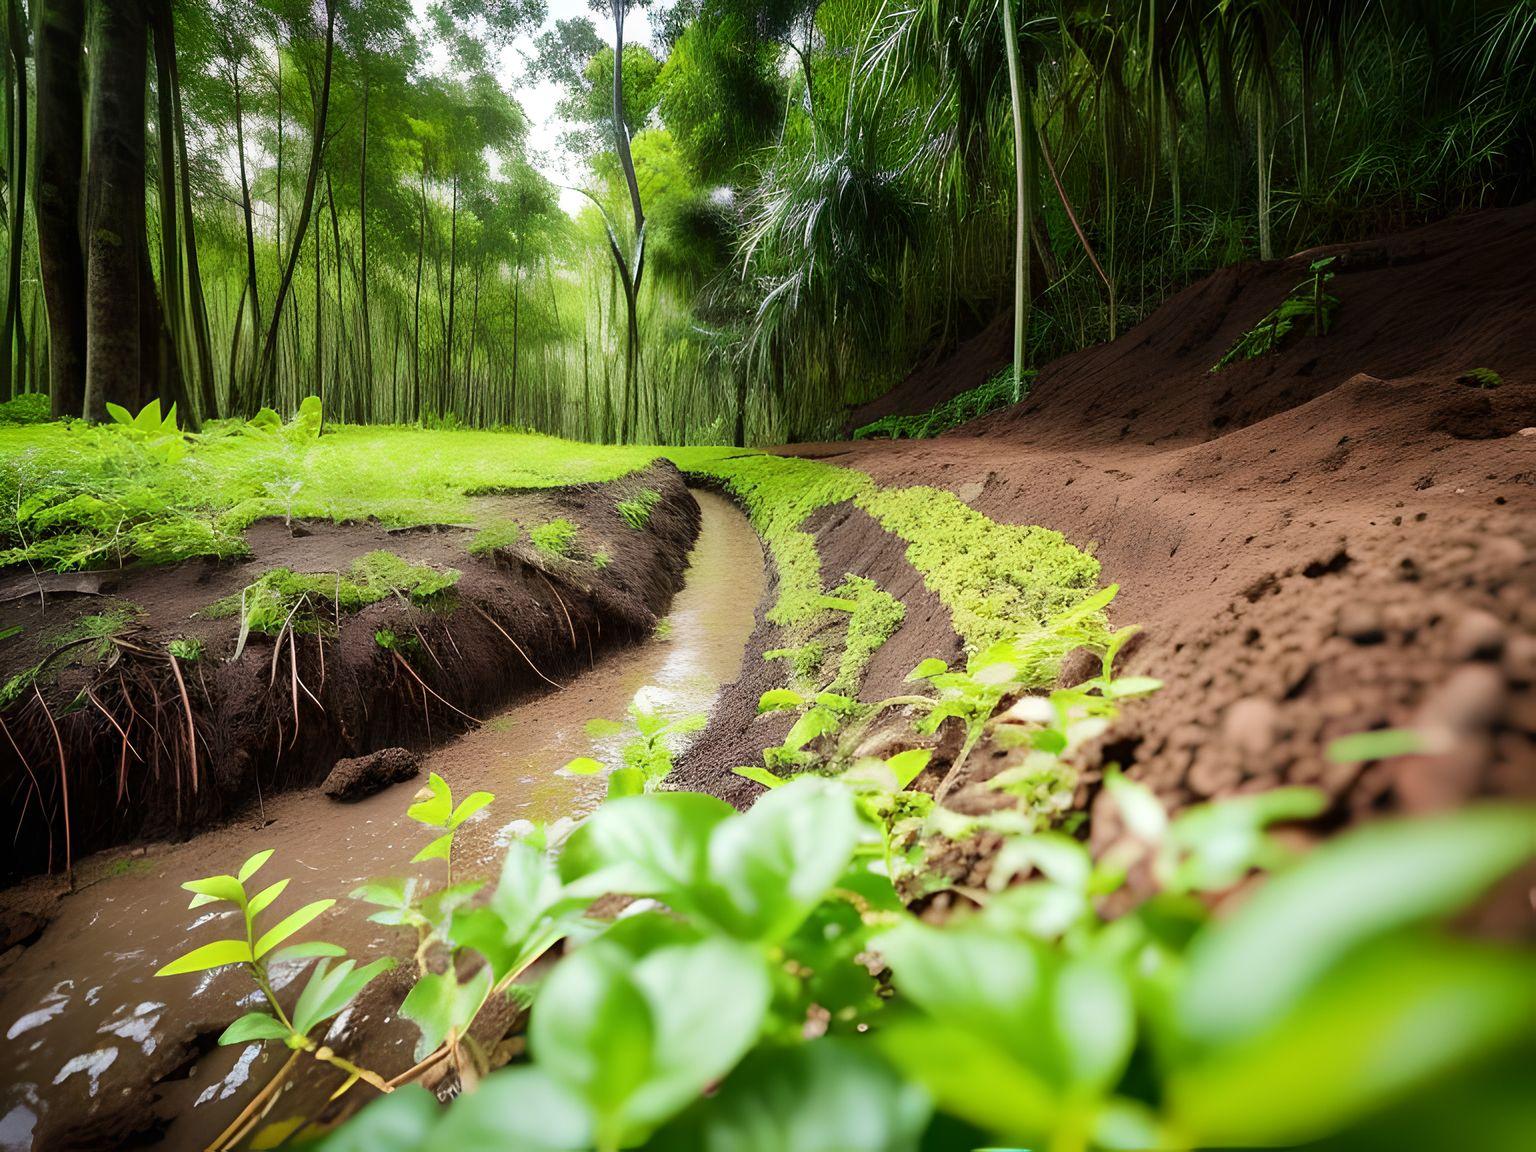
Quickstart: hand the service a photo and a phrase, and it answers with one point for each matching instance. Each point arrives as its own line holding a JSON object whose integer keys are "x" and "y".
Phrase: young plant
{"x": 434, "y": 807}
{"x": 646, "y": 760}
{"x": 328, "y": 991}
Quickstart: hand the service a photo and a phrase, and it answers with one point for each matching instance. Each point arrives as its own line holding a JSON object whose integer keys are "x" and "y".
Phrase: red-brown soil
{"x": 282, "y": 714}
{"x": 1335, "y": 538}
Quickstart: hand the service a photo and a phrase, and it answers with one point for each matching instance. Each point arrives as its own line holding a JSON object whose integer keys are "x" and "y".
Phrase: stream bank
{"x": 104, "y": 1055}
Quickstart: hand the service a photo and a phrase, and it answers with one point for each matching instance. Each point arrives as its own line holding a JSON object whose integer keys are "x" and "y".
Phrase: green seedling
{"x": 434, "y": 807}
{"x": 646, "y": 760}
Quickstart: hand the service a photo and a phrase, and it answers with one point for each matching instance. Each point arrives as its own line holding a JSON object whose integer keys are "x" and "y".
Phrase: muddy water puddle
{"x": 94, "y": 1044}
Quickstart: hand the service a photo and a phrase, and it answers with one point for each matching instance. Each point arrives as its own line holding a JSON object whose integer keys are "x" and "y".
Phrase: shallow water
{"x": 88, "y": 1028}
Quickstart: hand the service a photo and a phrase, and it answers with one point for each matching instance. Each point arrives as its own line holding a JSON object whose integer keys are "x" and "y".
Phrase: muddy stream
{"x": 96, "y": 1046}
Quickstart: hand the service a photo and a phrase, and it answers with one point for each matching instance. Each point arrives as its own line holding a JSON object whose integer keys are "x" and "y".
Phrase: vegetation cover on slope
{"x": 998, "y": 392}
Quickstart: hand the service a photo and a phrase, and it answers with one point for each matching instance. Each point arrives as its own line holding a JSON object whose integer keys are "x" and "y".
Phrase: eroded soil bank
{"x": 102, "y": 1054}
{"x": 1332, "y": 539}
{"x": 157, "y": 746}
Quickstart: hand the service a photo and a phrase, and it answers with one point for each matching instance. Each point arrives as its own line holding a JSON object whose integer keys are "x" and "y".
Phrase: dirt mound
{"x": 150, "y": 747}
{"x": 1336, "y": 538}
{"x": 974, "y": 362}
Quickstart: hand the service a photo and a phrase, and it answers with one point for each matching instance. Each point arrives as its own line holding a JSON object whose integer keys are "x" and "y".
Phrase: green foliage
{"x": 873, "y": 617}
{"x": 998, "y": 580}
{"x": 1485, "y": 378}
{"x": 189, "y": 650}
{"x": 281, "y": 598}
{"x": 556, "y": 538}
{"x": 637, "y": 509}
{"x": 26, "y": 408}
{"x": 1308, "y": 306}
{"x": 646, "y": 760}
{"x": 495, "y": 536}
{"x": 434, "y": 807}
{"x": 972, "y": 404}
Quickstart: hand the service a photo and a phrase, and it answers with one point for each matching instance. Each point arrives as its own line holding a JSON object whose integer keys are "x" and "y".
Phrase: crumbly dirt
{"x": 1335, "y": 538}
{"x": 283, "y": 713}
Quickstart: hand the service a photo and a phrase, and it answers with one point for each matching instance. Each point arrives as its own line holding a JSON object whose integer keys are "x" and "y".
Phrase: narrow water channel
{"x": 90, "y": 1032}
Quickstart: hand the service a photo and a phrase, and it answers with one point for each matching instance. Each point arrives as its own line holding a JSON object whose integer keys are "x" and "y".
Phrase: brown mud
{"x": 101, "y": 1054}
{"x": 1335, "y": 538}
{"x": 122, "y": 716}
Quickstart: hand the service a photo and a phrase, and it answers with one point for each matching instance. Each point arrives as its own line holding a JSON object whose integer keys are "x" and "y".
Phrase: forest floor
{"x": 1329, "y": 539}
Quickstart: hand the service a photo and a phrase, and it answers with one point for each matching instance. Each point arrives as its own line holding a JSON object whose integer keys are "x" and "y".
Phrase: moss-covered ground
{"x": 73, "y": 496}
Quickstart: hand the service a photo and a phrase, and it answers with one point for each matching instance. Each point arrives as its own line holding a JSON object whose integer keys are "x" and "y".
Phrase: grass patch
{"x": 805, "y": 663}
{"x": 1309, "y": 306}
{"x": 557, "y": 538}
{"x": 971, "y": 404}
{"x": 303, "y": 600}
{"x": 495, "y": 536}
{"x": 636, "y": 510}
{"x": 873, "y": 617}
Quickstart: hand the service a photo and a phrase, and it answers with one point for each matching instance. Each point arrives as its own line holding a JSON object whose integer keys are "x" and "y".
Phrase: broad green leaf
{"x": 830, "y": 1095}
{"x": 653, "y": 845}
{"x": 262, "y": 899}
{"x": 522, "y": 1109}
{"x": 148, "y": 419}
{"x": 399, "y": 1122}
{"x": 1128, "y": 686}
{"x": 760, "y": 776}
{"x": 927, "y": 668}
{"x": 584, "y": 766}
{"x": 1143, "y": 813}
{"x": 526, "y": 914}
{"x": 213, "y": 888}
{"x": 254, "y": 1026}
{"x": 614, "y": 1029}
{"x": 308, "y": 950}
{"x": 909, "y": 765}
{"x": 778, "y": 699}
{"x": 215, "y": 955}
{"x": 468, "y": 807}
{"x": 1246, "y": 971}
{"x": 119, "y": 414}
{"x": 1379, "y": 745}
{"x": 439, "y": 849}
{"x": 1379, "y": 1026}
{"x": 624, "y": 782}
{"x": 438, "y": 805}
{"x": 438, "y": 1004}
{"x": 816, "y": 722}
{"x": 288, "y": 925}
{"x": 253, "y": 865}
{"x": 331, "y": 989}
{"x": 778, "y": 860}
{"x": 389, "y": 892}
{"x": 970, "y": 1077}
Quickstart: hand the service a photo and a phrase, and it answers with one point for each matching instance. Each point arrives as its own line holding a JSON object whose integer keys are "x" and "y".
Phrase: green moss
{"x": 557, "y": 538}
{"x": 494, "y": 536}
{"x": 873, "y": 618}
{"x": 996, "y": 393}
{"x": 637, "y": 509}
{"x": 997, "y": 580}
{"x": 304, "y": 600}
{"x": 805, "y": 662}
{"x": 28, "y": 408}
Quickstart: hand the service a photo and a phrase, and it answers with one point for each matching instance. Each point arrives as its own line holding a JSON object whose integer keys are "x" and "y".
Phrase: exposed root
{"x": 563, "y": 609}
{"x": 69, "y": 853}
{"x": 516, "y": 645}
{"x": 425, "y": 688}
{"x": 186, "y": 702}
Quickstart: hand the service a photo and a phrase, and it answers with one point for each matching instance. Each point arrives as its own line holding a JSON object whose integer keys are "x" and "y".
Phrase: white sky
{"x": 539, "y": 100}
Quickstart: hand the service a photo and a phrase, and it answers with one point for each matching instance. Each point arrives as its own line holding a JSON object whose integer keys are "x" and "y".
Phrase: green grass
{"x": 495, "y": 536}
{"x": 873, "y": 617}
{"x": 637, "y": 509}
{"x": 972, "y": 404}
{"x": 557, "y": 538}
{"x": 303, "y": 600}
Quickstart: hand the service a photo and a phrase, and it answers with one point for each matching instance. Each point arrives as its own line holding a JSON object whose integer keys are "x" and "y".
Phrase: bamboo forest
{"x": 797, "y": 576}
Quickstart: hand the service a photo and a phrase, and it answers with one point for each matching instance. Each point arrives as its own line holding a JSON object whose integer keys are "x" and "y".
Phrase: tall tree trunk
{"x": 60, "y": 140}
{"x": 362, "y": 280}
{"x": 202, "y": 340}
{"x": 421, "y": 252}
{"x": 316, "y": 152}
{"x": 114, "y": 210}
{"x": 1023, "y": 203}
{"x": 16, "y": 129}
{"x": 252, "y": 291}
{"x": 167, "y": 201}
{"x": 453, "y": 285}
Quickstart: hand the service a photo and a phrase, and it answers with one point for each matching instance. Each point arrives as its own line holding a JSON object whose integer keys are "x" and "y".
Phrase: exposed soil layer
{"x": 1335, "y": 538}
{"x": 284, "y": 712}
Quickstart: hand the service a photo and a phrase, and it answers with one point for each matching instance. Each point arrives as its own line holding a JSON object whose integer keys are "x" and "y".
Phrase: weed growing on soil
{"x": 555, "y": 539}
{"x": 873, "y": 617}
{"x": 805, "y": 663}
{"x": 1308, "y": 304}
{"x": 645, "y": 761}
{"x": 996, "y": 393}
{"x": 434, "y": 807}
{"x": 282, "y": 598}
{"x": 187, "y": 650}
{"x": 636, "y": 510}
{"x": 1480, "y": 378}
